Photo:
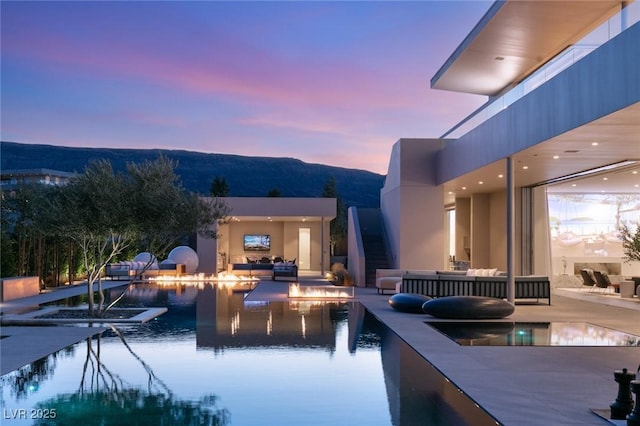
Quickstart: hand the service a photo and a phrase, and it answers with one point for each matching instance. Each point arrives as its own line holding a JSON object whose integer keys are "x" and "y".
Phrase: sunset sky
{"x": 336, "y": 83}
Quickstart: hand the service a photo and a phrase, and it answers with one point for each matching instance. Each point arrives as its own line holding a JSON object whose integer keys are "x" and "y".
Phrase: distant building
{"x": 11, "y": 179}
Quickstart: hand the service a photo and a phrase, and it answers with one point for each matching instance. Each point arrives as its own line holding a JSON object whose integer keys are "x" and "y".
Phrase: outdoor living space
{"x": 524, "y": 385}
{"x": 271, "y": 232}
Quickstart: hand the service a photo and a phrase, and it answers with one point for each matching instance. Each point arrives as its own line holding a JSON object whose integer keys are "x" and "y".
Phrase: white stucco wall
{"x": 412, "y": 206}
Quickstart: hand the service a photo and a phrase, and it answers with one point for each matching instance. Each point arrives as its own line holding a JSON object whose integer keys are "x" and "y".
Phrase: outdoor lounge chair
{"x": 602, "y": 281}
{"x": 587, "y": 279}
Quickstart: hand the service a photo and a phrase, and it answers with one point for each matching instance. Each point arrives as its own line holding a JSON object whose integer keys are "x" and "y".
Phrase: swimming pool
{"x": 217, "y": 358}
{"x": 507, "y": 333}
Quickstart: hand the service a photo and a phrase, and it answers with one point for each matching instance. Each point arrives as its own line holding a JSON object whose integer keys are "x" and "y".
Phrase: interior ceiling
{"x": 612, "y": 139}
{"x": 519, "y": 37}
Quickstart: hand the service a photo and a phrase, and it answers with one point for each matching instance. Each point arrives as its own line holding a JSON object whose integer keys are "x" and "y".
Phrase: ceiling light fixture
{"x": 500, "y": 176}
{"x": 555, "y": 157}
{"x": 525, "y": 167}
{"x": 594, "y": 143}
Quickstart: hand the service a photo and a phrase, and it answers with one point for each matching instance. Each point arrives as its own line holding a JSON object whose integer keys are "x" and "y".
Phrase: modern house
{"x": 552, "y": 158}
{"x": 271, "y": 227}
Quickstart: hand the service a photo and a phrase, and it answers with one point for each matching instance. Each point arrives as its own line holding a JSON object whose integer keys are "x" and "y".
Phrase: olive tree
{"x": 106, "y": 212}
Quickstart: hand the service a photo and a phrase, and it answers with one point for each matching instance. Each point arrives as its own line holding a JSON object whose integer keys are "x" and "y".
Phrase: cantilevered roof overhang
{"x": 516, "y": 37}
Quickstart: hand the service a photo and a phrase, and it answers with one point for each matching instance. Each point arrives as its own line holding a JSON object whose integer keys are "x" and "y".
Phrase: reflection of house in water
{"x": 225, "y": 320}
{"x": 154, "y": 294}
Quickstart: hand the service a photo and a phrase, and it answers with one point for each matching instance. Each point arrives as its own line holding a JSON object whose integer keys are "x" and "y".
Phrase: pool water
{"x": 533, "y": 334}
{"x": 216, "y": 358}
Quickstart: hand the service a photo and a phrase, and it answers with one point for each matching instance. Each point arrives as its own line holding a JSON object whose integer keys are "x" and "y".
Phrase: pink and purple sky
{"x": 335, "y": 83}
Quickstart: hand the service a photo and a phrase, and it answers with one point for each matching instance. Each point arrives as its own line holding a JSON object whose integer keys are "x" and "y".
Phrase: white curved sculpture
{"x": 187, "y": 256}
{"x": 146, "y": 258}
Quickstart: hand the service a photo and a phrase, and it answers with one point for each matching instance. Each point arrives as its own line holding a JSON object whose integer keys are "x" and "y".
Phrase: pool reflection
{"x": 533, "y": 334}
{"x": 226, "y": 320}
{"x": 262, "y": 362}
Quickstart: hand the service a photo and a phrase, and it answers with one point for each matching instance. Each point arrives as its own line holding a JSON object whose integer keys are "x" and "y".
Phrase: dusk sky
{"x": 335, "y": 83}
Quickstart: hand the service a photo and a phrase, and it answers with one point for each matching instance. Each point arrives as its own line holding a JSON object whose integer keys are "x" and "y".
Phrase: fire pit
{"x": 296, "y": 291}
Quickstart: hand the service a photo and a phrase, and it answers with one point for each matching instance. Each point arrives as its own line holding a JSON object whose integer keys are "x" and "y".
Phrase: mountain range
{"x": 246, "y": 176}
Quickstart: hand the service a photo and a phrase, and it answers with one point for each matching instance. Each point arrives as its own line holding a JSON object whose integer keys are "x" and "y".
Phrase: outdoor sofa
{"x": 129, "y": 269}
{"x": 251, "y": 269}
{"x": 275, "y": 270}
{"x": 457, "y": 283}
{"x": 284, "y": 269}
{"x": 391, "y": 279}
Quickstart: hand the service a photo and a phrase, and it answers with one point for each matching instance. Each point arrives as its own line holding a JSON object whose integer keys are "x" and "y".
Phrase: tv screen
{"x": 257, "y": 242}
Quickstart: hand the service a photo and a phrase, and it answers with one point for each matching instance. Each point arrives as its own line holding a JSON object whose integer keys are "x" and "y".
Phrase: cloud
{"x": 318, "y": 80}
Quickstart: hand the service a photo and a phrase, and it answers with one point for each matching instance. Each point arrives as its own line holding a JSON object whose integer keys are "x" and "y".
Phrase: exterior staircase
{"x": 374, "y": 243}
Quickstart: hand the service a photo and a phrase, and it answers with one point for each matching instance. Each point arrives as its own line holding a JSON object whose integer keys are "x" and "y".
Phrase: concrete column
{"x": 511, "y": 282}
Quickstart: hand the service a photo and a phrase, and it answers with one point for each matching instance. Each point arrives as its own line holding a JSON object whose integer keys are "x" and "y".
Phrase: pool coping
{"x": 526, "y": 385}
{"x": 32, "y": 318}
{"x": 479, "y": 341}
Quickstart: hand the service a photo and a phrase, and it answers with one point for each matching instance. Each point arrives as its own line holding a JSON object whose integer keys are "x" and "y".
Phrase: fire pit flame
{"x": 320, "y": 292}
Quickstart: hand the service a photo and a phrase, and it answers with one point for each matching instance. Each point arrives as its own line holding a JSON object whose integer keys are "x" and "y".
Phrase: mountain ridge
{"x": 247, "y": 176}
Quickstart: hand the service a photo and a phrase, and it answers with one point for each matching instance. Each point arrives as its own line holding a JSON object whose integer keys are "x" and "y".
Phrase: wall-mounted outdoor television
{"x": 256, "y": 242}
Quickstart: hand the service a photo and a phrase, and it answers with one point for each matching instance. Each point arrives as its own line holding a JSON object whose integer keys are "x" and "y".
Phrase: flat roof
{"x": 282, "y": 209}
{"x": 514, "y": 38}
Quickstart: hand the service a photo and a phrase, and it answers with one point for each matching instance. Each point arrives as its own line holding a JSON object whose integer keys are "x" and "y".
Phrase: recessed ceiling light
{"x": 450, "y": 193}
{"x": 499, "y": 58}
{"x": 574, "y": 185}
{"x": 605, "y": 178}
{"x": 525, "y": 167}
{"x": 594, "y": 143}
{"x": 555, "y": 157}
{"x": 464, "y": 187}
{"x": 500, "y": 176}
{"x": 480, "y": 182}
{"x": 635, "y": 172}
{"x": 636, "y": 185}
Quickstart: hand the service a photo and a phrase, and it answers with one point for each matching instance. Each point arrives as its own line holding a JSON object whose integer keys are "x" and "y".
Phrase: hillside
{"x": 246, "y": 176}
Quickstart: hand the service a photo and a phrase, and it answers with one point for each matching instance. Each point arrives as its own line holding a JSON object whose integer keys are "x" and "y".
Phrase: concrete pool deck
{"x": 518, "y": 385}
{"x": 527, "y": 385}
{"x": 521, "y": 385}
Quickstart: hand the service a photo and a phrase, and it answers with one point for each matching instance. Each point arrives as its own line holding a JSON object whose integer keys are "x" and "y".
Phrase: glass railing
{"x": 605, "y": 32}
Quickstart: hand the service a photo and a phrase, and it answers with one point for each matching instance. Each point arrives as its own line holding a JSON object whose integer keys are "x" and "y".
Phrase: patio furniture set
{"x": 277, "y": 268}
